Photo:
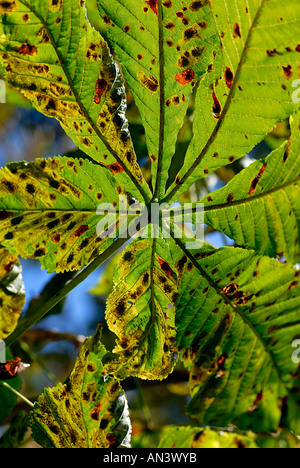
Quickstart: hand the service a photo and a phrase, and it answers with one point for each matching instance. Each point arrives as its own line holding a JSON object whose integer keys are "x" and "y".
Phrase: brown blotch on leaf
{"x": 39, "y": 253}
{"x": 153, "y": 157}
{"x": 56, "y": 238}
{"x": 197, "y": 5}
{"x": 166, "y": 267}
{"x": 101, "y": 86}
{"x": 230, "y": 198}
{"x": 168, "y": 4}
{"x": 217, "y": 109}
{"x": 153, "y": 5}
{"x": 170, "y": 25}
{"x": 27, "y": 49}
{"x": 228, "y": 77}
{"x": 111, "y": 439}
{"x": 185, "y": 76}
{"x": 256, "y": 179}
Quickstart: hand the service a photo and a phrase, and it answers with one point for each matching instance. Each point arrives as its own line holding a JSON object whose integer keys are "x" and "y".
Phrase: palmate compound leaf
{"x": 249, "y": 86}
{"x": 89, "y": 411}
{"x": 164, "y": 48}
{"x": 237, "y": 317}
{"x": 48, "y": 211}
{"x": 140, "y": 311}
{"x": 196, "y": 437}
{"x": 12, "y": 293}
{"x": 63, "y": 66}
{"x": 260, "y": 207}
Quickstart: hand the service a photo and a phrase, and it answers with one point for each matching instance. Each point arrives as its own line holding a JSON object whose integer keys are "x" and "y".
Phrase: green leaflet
{"x": 89, "y": 411}
{"x": 12, "y": 293}
{"x": 140, "y": 311}
{"x": 48, "y": 211}
{"x": 164, "y": 47}
{"x": 267, "y": 220}
{"x": 260, "y": 207}
{"x": 50, "y": 52}
{"x": 237, "y": 317}
{"x": 249, "y": 86}
{"x": 196, "y": 437}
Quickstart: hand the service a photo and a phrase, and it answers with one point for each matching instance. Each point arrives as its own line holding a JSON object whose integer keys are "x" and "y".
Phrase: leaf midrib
{"x": 83, "y": 109}
{"x": 244, "y": 201}
{"x": 223, "y": 115}
{"x": 161, "y": 100}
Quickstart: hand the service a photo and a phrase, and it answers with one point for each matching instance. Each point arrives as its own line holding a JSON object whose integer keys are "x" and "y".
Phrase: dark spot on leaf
{"x": 190, "y": 33}
{"x": 230, "y": 197}
{"x": 16, "y": 221}
{"x": 217, "y": 109}
{"x": 54, "y": 184}
{"x": 103, "y": 424}
{"x": 4, "y": 215}
{"x": 30, "y": 189}
{"x": 168, "y": 4}
{"x": 294, "y": 284}
{"x": 8, "y": 6}
{"x": 230, "y": 289}
{"x": 228, "y": 77}
{"x": 237, "y": 31}
{"x": 95, "y": 413}
{"x": 121, "y": 307}
{"x": 146, "y": 279}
